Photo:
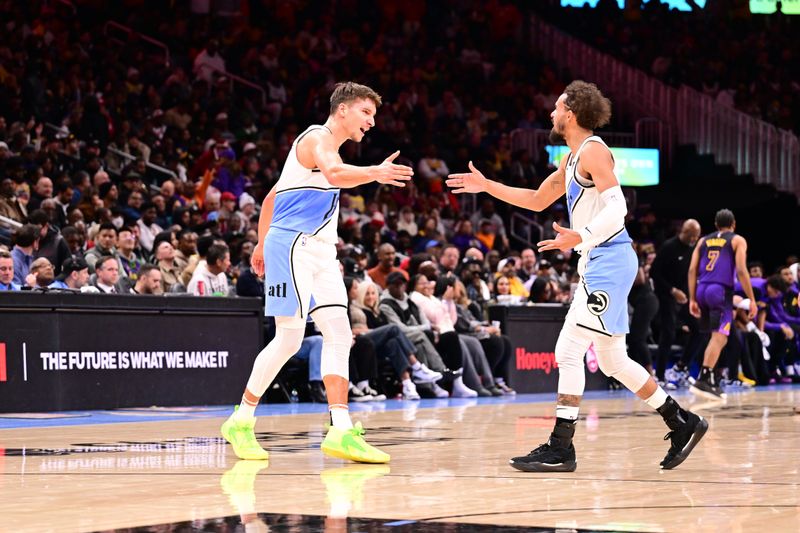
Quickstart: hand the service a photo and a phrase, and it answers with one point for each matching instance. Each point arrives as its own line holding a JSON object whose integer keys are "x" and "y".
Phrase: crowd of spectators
{"x": 122, "y": 173}
{"x": 750, "y": 64}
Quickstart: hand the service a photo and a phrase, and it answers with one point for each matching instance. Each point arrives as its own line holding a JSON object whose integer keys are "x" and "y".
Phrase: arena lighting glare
{"x": 680, "y": 5}
{"x": 767, "y": 7}
{"x": 634, "y": 167}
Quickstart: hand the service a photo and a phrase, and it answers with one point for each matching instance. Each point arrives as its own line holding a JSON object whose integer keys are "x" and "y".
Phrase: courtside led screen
{"x": 634, "y": 167}
{"x": 765, "y": 7}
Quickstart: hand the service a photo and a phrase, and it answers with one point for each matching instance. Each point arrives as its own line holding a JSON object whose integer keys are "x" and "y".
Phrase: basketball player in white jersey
{"x": 297, "y": 248}
{"x": 607, "y": 267}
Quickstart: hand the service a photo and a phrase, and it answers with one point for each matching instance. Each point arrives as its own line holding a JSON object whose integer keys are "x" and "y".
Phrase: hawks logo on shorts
{"x": 597, "y": 302}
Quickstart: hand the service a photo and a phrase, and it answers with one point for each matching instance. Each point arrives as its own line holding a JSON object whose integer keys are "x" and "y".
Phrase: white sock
{"x": 340, "y": 418}
{"x": 568, "y": 412}
{"x": 406, "y": 382}
{"x": 658, "y": 398}
{"x": 245, "y": 411}
{"x": 500, "y": 381}
{"x": 363, "y": 384}
{"x": 416, "y": 366}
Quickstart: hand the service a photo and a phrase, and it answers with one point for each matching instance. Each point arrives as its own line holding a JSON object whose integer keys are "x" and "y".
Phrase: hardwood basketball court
{"x": 168, "y": 469}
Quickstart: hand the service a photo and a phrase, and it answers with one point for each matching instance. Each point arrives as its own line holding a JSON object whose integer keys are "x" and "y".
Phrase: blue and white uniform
{"x": 302, "y": 273}
{"x": 608, "y": 269}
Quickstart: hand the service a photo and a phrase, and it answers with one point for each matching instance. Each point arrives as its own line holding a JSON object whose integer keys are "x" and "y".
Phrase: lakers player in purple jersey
{"x": 715, "y": 260}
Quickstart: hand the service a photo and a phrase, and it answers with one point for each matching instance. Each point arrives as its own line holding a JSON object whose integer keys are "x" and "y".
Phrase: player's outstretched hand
{"x": 389, "y": 173}
{"x": 473, "y": 182}
{"x": 565, "y": 239}
{"x": 257, "y": 260}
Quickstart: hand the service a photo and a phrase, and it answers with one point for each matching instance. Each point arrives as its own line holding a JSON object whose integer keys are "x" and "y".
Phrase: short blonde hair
{"x": 349, "y": 91}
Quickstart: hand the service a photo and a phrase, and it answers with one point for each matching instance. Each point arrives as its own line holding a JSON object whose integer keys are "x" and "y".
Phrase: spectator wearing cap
{"x": 74, "y": 274}
{"x": 226, "y": 211}
{"x": 51, "y": 244}
{"x": 10, "y": 206}
{"x": 247, "y": 208}
{"x": 148, "y": 229}
{"x": 149, "y": 281}
{"x": 229, "y": 177}
{"x": 26, "y": 241}
{"x": 385, "y": 266}
{"x": 508, "y": 268}
{"x": 7, "y": 272}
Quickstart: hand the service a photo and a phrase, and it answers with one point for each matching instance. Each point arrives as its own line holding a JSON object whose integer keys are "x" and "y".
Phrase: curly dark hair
{"x": 592, "y": 109}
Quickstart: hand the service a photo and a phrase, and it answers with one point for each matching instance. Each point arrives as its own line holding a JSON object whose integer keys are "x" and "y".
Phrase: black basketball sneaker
{"x": 557, "y": 455}
{"x": 686, "y": 433}
{"x": 708, "y": 388}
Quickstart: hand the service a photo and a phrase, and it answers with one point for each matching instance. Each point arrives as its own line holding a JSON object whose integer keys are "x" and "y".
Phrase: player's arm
{"x": 264, "y": 220}
{"x": 740, "y": 253}
{"x": 539, "y": 199}
{"x": 596, "y": 160}
{"x": 325, "y": 154}
{"x": 694, "y": 264}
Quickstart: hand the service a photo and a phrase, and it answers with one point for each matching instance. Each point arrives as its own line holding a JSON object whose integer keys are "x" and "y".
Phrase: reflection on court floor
{"x": 165, "y": 470}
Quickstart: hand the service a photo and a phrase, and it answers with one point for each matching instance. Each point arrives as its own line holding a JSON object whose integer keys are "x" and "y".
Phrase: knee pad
{"x": 612, "y": 357}
{"x": 570, "y": 351}
{"x": 337, "y": 337}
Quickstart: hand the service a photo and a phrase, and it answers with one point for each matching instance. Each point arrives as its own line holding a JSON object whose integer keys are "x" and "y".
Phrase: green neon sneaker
{"x": 350, "y": 444}
{"x": 243, "y": 439}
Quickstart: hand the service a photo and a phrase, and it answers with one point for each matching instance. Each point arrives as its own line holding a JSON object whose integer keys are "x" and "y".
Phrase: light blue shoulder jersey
{"x": 304, "y": 200}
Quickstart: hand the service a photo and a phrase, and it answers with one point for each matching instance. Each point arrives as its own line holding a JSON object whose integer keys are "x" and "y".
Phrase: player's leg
{"x": 343, "y": 440}
{"x": 239, "y": 428}
{"x": 686, "y": 428}
{"x": 558, "y": 454}
{"x": 288, "y": 285}
{"x": 717, "y": 315}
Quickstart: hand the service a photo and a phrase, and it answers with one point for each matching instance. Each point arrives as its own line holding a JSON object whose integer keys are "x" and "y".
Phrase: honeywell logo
{"x": 544, "y": 361}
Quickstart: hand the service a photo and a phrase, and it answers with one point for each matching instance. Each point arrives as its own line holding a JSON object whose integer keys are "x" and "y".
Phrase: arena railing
{"x": 9, "y": 222}
{"x": 131, "y": 32}
{"x": 751, "y": 145}
{"x": 233, "y": 78}
{"x": 131, "y": 157}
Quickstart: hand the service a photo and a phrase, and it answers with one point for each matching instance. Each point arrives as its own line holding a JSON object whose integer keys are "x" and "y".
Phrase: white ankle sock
{"x": 568, "y": 412}
{"x": 245, "y": 411}
{"x": 658, "y": 398}
{"x": 416, "y": 366}
{"x": 363, "y": 384}
{"x": 340, "y": 418}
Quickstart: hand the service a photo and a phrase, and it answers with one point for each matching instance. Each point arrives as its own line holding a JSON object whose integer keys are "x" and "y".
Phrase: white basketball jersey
{"x": 583, "y": 199}
{"x": 304, "y": 199}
